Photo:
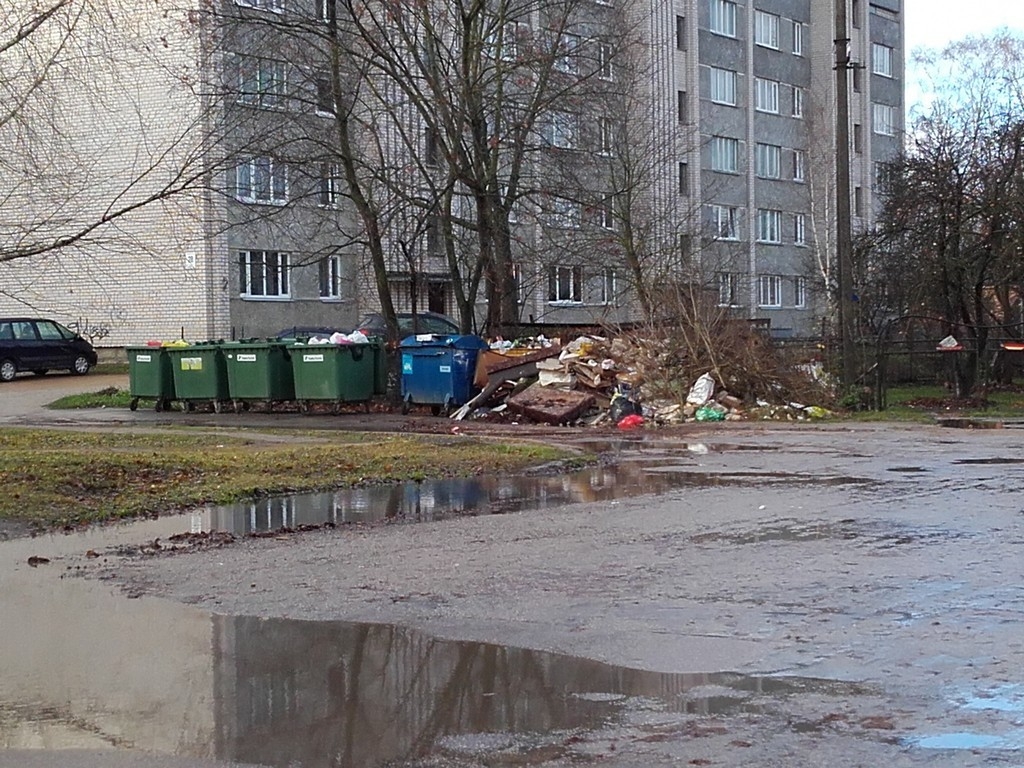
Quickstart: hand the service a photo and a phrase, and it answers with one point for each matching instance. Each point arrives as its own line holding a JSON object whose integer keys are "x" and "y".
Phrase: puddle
{"x": 438, "y": 499}
{"x": 957, "y": 741}
{"x": 1004, "y": 698}
{"x": 997, "y": 460}
{"x": 286, "y": 693}
{"x": 869, "y": 533}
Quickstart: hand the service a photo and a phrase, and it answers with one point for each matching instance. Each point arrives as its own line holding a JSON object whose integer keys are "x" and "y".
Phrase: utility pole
{"x": 844, "y": 236}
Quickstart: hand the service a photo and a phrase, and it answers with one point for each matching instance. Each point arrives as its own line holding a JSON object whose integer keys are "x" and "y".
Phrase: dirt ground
{"x": 875, "y": 568}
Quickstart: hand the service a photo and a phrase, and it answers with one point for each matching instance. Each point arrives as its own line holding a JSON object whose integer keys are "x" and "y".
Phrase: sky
{"x": 933, "y": 23}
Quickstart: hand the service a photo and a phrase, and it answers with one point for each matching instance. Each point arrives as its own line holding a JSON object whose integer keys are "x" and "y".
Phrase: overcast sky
{"x": 933, "y": 23}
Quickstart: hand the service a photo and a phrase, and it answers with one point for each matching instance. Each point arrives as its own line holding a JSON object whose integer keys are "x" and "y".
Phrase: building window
{"x": 769, "y": 291}
{"x": 723, "y": 86}
{"x": 601, "y": 287}
{"x": 563, "y": 213}
{"x": 606, "y": 213}
{"x": 682, "y": 108}
{"x": 605, "y": 54}
{"x": 883, "y": 176}
{"x": 503, "y": 40}
{"x": 799, "y": 165}
{"x": 430, "y": 146}
{"x": 277, "y": 6}
{"x": 727, "y": 289}
{"x": 329, "y": 192}
{"x": 560, "y": 130}
{"x": 799, "y": 229}
{"x": 681, "y": 33}
{"x": 857, "y": 79}
{"x": 325, "y": 104}
{"x": 605, "y": 136}
{"x": 767, "y": 160}
{"x": 723, "y": 17}
{"x": 565, "y": 284}
{"x": 858, "y": 138}
{"x": 725, "y": 154}
{"x": 798, "y": 102}
{"x": 855, "y": 13}
{"x": 724, "y": 222}
{"x": 325, "y": 10}
{"x": 261, "y": 180}
{"x": 330, "y": 277}
{"x": 884, "y": 119}
{"x": 800, "y": 292}
{"x": 766, "y": 95}
{"x": 263, "y": 273}
{"x": 769, "y": 226}
{"x": 858, "y": 201}
{"x": 881, "y": 59}
{"x": 261, "y": 82}
{"x": 766, "y": 29}
{"x": 684, "y": 179}
{"x": 798, "y": 38}
{"x": 565, "y": 53}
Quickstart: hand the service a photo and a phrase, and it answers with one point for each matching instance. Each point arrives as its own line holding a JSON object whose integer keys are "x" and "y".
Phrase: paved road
{"x": 24, "y": 400}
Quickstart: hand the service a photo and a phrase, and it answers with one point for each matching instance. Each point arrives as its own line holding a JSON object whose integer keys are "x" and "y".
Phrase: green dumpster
{"x": 258, "y": 371}
{"x": 335, "y": 373}
{"x": 150, "y": 376}
{"x": 200, "y": 374}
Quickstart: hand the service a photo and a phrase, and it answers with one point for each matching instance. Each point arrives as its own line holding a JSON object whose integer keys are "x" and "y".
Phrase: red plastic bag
{"x": 632, "y": 421}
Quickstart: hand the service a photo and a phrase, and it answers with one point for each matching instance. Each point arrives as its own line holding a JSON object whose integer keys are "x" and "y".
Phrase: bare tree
{"x": 79, "y": 154}
{"x": 953, "y": 205}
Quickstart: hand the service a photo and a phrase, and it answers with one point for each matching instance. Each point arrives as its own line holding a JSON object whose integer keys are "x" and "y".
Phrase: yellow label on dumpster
{"x": 191, "y": 363}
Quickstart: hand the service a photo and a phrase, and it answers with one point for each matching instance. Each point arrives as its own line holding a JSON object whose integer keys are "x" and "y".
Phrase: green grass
{"x": 904, "y": 403}
{"x": 104, "y": 398}
{"x": 63, "y": 477}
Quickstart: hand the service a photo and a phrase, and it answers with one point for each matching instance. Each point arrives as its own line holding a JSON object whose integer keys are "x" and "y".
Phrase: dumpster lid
{"x": 440, "y": 340}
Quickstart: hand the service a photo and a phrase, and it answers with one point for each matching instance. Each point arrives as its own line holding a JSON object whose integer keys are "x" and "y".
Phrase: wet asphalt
{"x": 840, "y": 595}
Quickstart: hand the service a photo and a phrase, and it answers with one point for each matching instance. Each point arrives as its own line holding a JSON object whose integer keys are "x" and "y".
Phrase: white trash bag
{"x": 702, "y": 390}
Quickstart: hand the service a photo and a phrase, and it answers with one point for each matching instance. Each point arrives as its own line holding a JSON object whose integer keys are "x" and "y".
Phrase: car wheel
{"x": 7, "y": 370}
{"x": 81, "y": 366}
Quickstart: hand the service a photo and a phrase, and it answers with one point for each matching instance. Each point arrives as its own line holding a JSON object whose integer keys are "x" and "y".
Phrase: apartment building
{"x": 728, "y": 104}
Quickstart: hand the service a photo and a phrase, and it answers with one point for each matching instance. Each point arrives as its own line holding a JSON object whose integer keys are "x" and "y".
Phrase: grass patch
{"x": 111, "y": 397}
{"x": 922, "y": 403}
{"x": 61, "y": 477}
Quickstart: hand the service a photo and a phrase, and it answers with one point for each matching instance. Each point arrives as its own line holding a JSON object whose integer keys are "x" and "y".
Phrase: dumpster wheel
{"x": 405, "y": 407}
{"x": 135, "y": 404}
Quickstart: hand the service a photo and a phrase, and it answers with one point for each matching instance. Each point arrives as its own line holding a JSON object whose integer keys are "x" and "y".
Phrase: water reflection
{"x": 340, "y": 694}
{"x": 438, "y": 499}
{"x": 92, "y": 669}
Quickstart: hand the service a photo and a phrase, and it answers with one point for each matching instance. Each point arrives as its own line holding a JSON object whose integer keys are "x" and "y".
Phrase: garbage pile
{"x": 628, "y": 382}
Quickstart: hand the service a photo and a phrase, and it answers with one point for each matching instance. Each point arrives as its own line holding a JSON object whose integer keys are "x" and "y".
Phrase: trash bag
{"x": 709, "y": 413}
{"x": 621, "y": 407}
{"x": 702, "y": 390}
{"x": 632, "y": 421}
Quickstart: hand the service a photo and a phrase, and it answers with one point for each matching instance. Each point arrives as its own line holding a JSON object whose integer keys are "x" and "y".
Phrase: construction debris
{"x": 595, "y": 380}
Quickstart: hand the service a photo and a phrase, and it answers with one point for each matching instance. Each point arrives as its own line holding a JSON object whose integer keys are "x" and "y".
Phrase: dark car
{"x": 39, "y": 345}
{"x": 408, "y": 324}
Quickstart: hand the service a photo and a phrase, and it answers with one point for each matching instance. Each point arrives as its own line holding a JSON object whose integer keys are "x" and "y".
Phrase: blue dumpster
{"x": 438, "y": 370}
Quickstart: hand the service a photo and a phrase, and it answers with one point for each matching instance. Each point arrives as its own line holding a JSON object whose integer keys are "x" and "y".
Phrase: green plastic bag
{"x": 709, "y": 413}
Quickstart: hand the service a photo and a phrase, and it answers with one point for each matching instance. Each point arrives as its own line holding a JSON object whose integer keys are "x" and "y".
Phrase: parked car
{"x": 408, "y": 324}
{"x": 39, "y": 345}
